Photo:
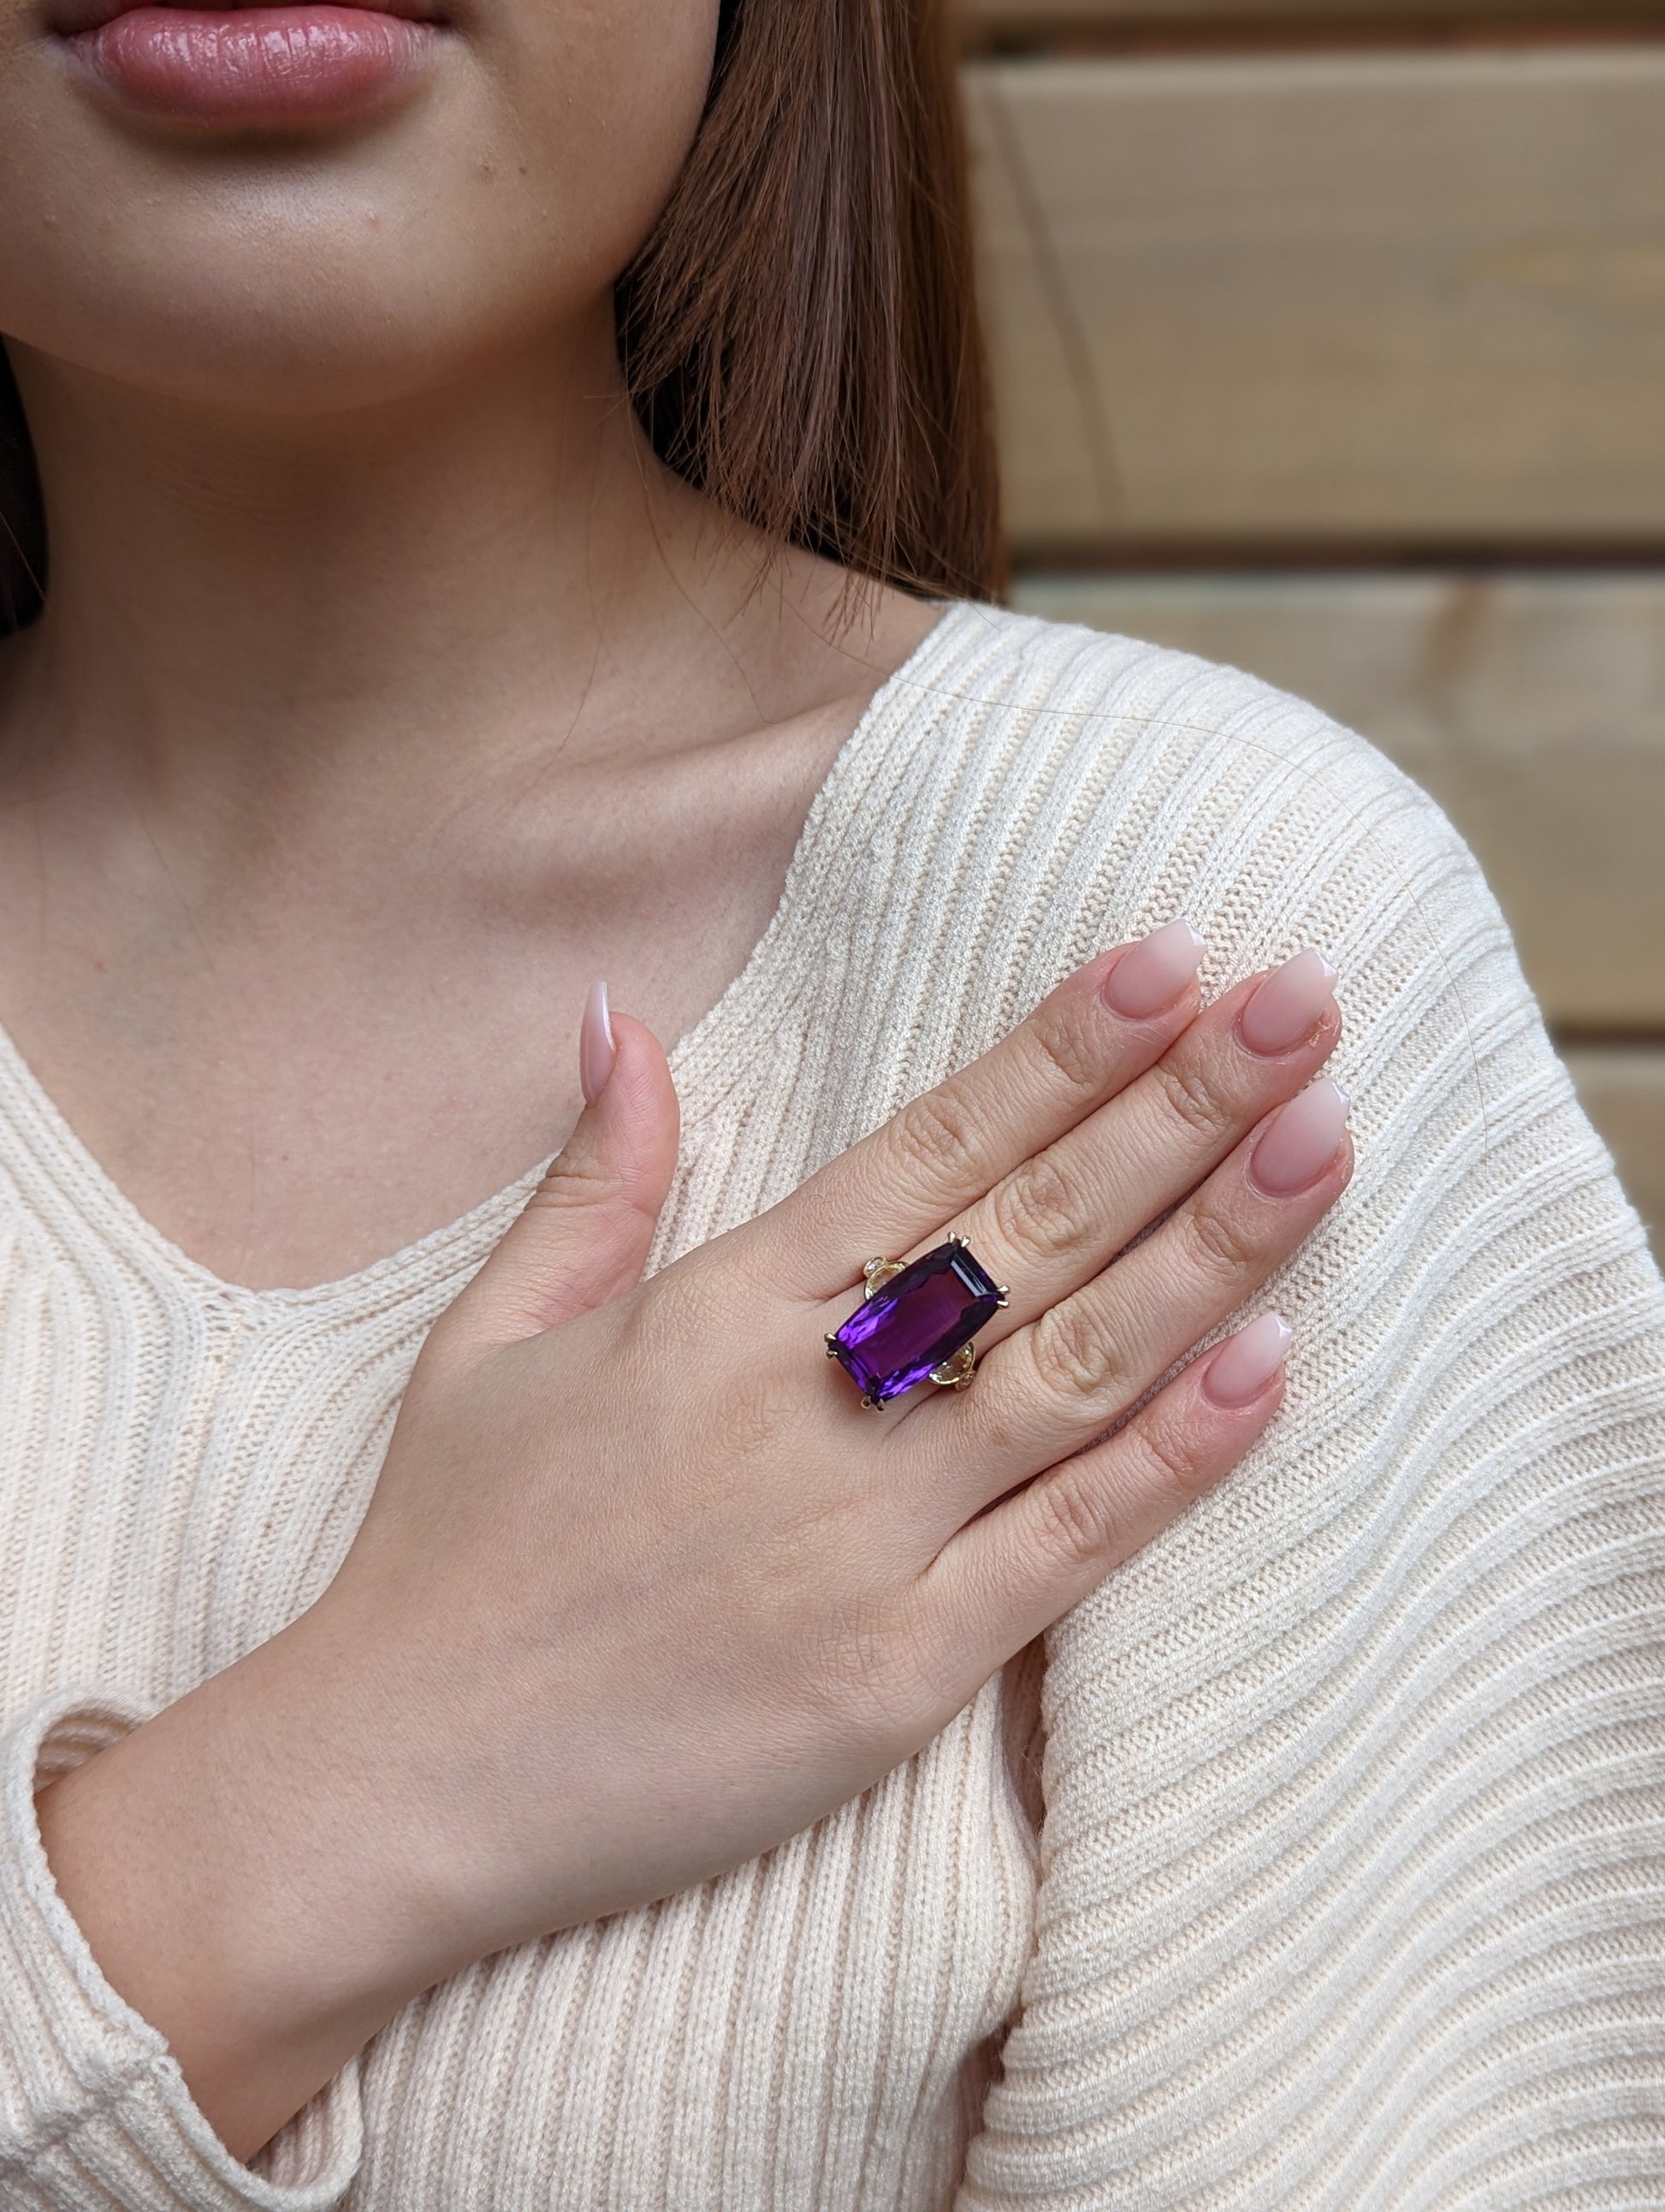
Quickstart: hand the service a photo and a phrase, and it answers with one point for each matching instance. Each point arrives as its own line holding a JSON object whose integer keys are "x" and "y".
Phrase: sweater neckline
{"x": 701, "y": 1061}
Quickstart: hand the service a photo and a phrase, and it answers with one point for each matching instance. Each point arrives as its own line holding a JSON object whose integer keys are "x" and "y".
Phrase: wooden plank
{"x": 1623, "y": 1091}
{"x": 1015, "y": 18}
{"x": 1358, "y": 299}
{"x": 1532, "y": 707}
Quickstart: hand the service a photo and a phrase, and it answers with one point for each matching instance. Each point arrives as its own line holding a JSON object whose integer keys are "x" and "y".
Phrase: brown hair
{"x": 799, "y": 332}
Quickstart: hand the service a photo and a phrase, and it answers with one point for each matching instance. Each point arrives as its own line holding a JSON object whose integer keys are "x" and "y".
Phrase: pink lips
{"x": 256, "y": 66}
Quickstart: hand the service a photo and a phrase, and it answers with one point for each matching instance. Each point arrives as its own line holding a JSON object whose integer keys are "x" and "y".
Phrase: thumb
{"x": 583, "y": 1235}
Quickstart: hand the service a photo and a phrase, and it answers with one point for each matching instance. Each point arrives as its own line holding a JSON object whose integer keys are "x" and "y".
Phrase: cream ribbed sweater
{"x": 1349, "y": 1891}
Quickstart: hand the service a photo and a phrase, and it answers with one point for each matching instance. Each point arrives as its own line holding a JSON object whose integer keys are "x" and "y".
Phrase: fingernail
{"x": 1151, "y": 974}
{"x": 1284, "y": 1008}
{"x": 1301, "y": 1141}
{"x": 596, "y": 1048}
{"x": 1247, "y": 1362}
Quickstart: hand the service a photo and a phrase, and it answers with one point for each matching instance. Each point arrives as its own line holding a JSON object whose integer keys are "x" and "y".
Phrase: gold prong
{"x": 1005, "y": 1294}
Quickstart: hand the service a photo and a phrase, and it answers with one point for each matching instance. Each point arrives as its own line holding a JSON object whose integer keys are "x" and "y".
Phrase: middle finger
{"x": 1068, "y": 1377}
{"x": 1062, "y": 1216}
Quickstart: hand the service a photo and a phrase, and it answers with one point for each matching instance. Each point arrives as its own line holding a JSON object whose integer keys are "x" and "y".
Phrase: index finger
{"x": 1102, "y": 1027}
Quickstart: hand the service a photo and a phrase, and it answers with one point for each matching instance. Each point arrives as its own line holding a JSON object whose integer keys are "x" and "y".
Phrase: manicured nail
{"x": 1247, "y": 1362}
{"x": 1152, "y": 973}
{"x": 1287, "y": 1004}
{"x": 1300, "y": 1141}
{"x": 596, "y": 1048}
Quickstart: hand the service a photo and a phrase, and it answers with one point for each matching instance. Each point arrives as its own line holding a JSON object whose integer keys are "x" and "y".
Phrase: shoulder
{"x": 1051, "y": 790}
{"x": 1060, "y": 789}
{"x": 1267, "y": 1732}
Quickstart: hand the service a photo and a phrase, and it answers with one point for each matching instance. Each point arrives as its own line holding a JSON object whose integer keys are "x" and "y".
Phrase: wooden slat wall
{"x": 1369, "y": 299}
{"x": 1025, "y": 19}
{"x": 1348, "y": 367}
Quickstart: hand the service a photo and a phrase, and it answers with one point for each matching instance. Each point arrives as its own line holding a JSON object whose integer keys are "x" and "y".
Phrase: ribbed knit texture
{"x": 1349, "y": 1889}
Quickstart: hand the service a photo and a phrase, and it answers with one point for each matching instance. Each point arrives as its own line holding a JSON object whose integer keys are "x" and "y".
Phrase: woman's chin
{"x": 319, "y": 353}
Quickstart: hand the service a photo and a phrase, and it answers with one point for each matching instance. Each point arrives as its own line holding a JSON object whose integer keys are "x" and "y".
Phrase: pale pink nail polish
{"x": 1243, "y": 1367}
{"x": 1151, "y": 974}
{"x": 596, "y": 1048}
{"x": 1287, "y": 1004}
{"x": 1301, "y": 1140}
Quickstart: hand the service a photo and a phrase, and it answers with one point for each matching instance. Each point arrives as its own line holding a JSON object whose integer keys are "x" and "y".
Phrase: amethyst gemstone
{"x": 914, "y": 1321}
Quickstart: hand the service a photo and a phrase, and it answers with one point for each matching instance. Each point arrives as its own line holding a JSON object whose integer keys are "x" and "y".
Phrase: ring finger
{"x": 1055, "y": 1219}
{"x": 1056, "y": 1385}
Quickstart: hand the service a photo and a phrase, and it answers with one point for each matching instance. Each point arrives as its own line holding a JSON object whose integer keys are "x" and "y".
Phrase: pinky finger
{"x": 1014, "y": 1571}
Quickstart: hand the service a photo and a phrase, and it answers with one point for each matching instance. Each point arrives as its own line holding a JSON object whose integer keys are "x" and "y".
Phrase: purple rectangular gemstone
{"x": 914, "y": 1321}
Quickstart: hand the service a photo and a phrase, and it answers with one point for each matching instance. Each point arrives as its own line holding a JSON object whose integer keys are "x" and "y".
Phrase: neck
{"x": 246, "y": 614}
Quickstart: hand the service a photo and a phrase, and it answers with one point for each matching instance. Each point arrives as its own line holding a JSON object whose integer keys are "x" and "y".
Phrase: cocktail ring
{"x": 916, "y": 1322}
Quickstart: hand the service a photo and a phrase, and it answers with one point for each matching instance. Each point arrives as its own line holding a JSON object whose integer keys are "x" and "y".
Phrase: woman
{"x": 496, "y": 496}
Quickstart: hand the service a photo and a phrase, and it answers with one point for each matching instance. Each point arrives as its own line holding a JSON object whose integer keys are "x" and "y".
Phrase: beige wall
{"x": 1329, "y": 340}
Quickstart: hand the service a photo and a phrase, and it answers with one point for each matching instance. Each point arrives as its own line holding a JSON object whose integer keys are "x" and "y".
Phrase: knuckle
{"x": 1075, "y": 1363}
{"x": 1061, "y": 1045}
{"x": 1163, "y": 1469}
{"x": 1075, "y": 1521}
{"x": 934, "y": 1138}
{"x": 1035, "y": 1210}
{"x": 569, "y": 1185}
{"x": 1222, "y": 1245}
{"x": 1192, "y": 1098}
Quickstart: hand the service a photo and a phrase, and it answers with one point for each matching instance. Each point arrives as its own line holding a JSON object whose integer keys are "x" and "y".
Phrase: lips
{"x": 260, "y": 67}
{"x": 71, "y": 17}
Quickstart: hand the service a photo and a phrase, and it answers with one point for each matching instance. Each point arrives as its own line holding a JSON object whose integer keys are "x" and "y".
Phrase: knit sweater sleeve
{"x": 1353, "y": 1876}
{"x": 94, "y": 2114}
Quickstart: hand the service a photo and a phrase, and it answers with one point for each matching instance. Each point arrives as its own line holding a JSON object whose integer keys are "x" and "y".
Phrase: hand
{"x": 642, "y": 1590}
